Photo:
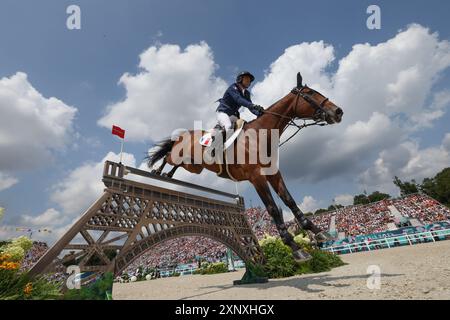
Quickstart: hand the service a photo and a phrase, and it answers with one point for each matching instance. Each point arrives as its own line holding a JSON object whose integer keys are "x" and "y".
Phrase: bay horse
{"x": 301, "y": 102}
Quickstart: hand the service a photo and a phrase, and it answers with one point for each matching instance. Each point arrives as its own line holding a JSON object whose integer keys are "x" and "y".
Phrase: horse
{"x": 302, "y": 102}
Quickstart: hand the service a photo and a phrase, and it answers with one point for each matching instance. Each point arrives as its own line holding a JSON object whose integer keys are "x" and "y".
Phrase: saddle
{"x": 215, "y": 146}
{"x": 237, "y": 126}
{"x": 210, "y": 136}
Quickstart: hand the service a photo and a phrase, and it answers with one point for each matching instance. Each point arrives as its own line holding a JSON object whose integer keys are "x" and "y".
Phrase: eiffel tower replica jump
{"x": 132, "y": 217}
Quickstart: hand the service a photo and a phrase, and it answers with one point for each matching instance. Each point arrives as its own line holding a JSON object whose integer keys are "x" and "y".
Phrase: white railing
{"x": 191, "y": 269}
{"x": 389, "y": 242}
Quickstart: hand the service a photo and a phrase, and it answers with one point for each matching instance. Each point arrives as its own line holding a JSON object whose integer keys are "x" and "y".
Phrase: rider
{"x": 237, "y": 95}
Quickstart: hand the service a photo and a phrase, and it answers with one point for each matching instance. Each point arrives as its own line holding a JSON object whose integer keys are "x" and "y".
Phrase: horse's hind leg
{"x": 161, "y": 167}
{"x": 171, "y": 172}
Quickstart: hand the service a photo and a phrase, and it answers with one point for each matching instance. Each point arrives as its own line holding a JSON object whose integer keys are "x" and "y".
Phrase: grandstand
{"x": 389, "y": 214}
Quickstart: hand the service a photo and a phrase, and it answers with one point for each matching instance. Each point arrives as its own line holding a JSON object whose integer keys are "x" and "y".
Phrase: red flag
{"x": 118, "y": 131}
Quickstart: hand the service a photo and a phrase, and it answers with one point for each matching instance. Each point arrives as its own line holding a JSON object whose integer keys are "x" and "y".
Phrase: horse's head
{"x": 317, "y": 106}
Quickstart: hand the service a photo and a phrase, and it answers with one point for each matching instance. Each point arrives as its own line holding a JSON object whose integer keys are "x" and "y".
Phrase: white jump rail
{"x": 388, "y": 242}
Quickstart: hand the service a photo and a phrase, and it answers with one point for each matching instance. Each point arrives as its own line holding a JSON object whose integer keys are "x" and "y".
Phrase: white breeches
{"x": 225, "y": 120}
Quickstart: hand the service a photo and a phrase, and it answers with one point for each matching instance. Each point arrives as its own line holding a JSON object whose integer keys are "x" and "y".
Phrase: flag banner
{"x": 118, "y": 131}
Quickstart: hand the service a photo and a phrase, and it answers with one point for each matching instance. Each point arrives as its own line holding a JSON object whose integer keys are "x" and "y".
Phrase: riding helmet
{"x": 242, "y": 74}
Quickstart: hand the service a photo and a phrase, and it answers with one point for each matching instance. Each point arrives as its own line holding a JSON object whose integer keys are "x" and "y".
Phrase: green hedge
{"x": 212, "y": 268}
{"x": 280, "y": 261}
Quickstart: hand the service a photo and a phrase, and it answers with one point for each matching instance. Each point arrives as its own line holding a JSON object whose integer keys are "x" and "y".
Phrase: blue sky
{"x": 82, "y": 69}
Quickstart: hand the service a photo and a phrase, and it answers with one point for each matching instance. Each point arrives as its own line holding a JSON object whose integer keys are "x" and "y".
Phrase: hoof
{"x": 323, "y": 236}
{"x": 301, "y": 256}
{"x": 312, "y": 237}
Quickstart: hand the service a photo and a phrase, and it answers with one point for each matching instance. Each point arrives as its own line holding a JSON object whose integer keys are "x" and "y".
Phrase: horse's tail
{"x": 159, "y": 151}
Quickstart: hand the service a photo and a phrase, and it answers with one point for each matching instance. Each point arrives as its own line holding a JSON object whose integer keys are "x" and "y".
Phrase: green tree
{"x": 360, "y": 199}
{"x": 321, "y": 210}
{"x": 378, "y": 196}
{"x": 438, "y": 187}
{"x": 334, "y": 207}
{"x": 406, "y": 187}
{"x": 373, "y": 197}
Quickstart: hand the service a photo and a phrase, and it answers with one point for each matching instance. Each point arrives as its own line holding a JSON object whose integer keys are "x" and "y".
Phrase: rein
{"x": 319, "y": 115}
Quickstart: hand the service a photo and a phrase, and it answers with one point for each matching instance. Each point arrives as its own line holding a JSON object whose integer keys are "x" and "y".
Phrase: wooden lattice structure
{"x": 132, "y": 217}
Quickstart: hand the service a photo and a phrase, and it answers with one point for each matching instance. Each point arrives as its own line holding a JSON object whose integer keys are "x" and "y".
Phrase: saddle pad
{"x": 206, "y": 139}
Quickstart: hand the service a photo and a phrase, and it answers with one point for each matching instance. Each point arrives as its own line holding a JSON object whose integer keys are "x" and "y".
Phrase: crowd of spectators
{"x": 363, "y": 219}
{"x": 374, "y": 217}
{"x": 261, "y": 222}
{"x": 423, "y": 208}
{"x": 178, "y": 251}
{"x": 321, "y": 220}
{"x": 34, "y": 254}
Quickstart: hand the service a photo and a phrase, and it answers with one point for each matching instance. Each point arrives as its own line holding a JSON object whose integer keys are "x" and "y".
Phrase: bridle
{"x": 319, "y": 116}
{"x": 320, "y": 112}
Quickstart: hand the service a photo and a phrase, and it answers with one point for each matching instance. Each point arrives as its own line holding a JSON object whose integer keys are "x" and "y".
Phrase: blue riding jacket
{"x": 233, "y": 99}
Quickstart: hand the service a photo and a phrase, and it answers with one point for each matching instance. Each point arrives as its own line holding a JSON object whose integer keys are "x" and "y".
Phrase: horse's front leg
{"x": 277, "y": 183}
{"x": 263, "y": 190}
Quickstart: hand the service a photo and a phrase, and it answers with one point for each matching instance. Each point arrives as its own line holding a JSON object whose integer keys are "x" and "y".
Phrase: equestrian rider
{"x": 237, "y": 95}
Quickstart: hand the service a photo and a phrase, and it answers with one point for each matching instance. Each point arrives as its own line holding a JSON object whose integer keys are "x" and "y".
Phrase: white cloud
{"x": 43, "y": 228}
{"x": 436, "y": 110}
{"x": 387, "y": 77}
{"x": 344, "y": 199}
{"x": 51, "y": 217}
{"x": 31, "y": 126}
{"x": 446, "y": 142}
{"x": 310, "y": 58}
{"x": 84, "y": 185}
{"x": 74, "y": 194}
{"x": 309, "y": 204}
{"x": 173, "y": 88}
{"x": 7, "y": 181}
{"x": 407, "y": 161}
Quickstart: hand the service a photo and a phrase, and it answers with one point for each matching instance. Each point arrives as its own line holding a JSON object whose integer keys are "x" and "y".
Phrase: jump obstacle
{"x": 132, "y": 217}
